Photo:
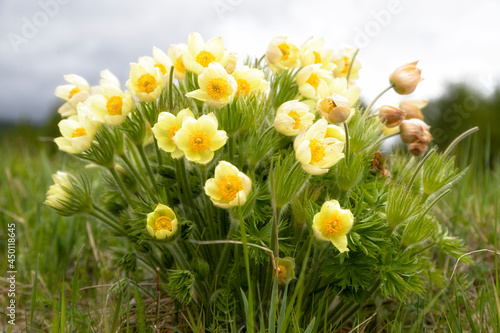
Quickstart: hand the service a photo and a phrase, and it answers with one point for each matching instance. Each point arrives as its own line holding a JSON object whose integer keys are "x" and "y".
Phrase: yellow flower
{"x": 199, "y": 55}
{"x": 146, "y": 81}
{"x": 343, "y": 60}
{"x": 108, "y": 78}
{"x": 175, "y": 54}
{"x": 406, "y": 78}
{"x": 229, "y": 188}
{"x": 217, "y": 88}
{"x": 199, "y": 138}
{"x": 77, "y": 132}
{"x": 111, "y": 106}
{"x": 339, "y": 86}
{"x": 162, "y": 223}
{"x": 281, "y": 54}
{"x": 313, "y": 52}
{"x": 315, "y": 151}
{"x": 75, "y": 92}
{"x": 314, "y": 82}
{"x": 160, "y": 61}
{"x": 231, "y": 62}
{"x": 332, "y": 224}
{"x": 250, "y": 80}
{"x": 337, "y": 132}
{"x": 166, "y": 128}
{"x": 286, "y": 270}
{"x": 292, "y": 117}
{"x": 58, "y": 193}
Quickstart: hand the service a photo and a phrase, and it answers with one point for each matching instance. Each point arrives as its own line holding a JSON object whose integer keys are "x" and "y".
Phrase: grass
{"x": 68, "y": 281}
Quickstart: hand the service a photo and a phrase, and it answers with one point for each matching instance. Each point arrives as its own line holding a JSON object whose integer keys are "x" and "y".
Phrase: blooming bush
{"x": 259, "y": 191}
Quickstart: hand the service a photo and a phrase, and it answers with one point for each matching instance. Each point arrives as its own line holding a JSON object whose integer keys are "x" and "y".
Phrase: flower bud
{"x": 405, "y": 78}
{"x": 417, "y": 148}
{"x": 414, "y": 130}
{"x": 413, "y": 108}
{"x": 335, "y": 108}
{"x": 231, "y": 63}
{"x": 391, "y": 116}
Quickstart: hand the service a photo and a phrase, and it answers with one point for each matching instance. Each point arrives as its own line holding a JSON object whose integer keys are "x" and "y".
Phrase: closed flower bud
{"x": 335, "y": 108}
{"x": 391, "y": 116}
{"x": 405, "y": 78}
{"x": 414, "y": 130}
{"x": 413, "y": 108}
{"x": 417, "y": 148}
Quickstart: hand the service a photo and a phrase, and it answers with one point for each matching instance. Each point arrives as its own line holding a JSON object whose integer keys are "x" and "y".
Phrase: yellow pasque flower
{"x": 229, "y": 188}
{"x": 339, "y": 86}
{"x": 199, "y": 138}
{"x": 77, "y": 132}
{"x": 112, "y": 106}
{"x": 337, "y": 132}
{"x": 281, "y": 54}
{"x": 58, "y": 192}
{"x": 286, "y": 270}
{"x": 146, "y": 81}
{"x": 292, "y": 117}
{"x": 314, "y": 82}
{"x": 343, "y": 60}
{"x": 75, "y": 92}
{"x": 159, "y": 60}
{"x": 217, "y": 88}
{"x": 166, "y": 128}
{"x": 332, "y": 224}
{"x": 199, "y": 55}
{"x": 315, "y": 151}
{"x": 108, "y": 78}
{"x": 175, "y": 54}
{"x": 250, "y": 80}
{"x": 232, "y": 59}
{"x": 162, "y": 223}
{"x": 313, "y": 52}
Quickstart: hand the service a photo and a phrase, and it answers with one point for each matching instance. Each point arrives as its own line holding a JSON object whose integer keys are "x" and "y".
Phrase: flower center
{"x": 204, "y": 58}
{"x": 199, "y": 140}
{"x": 313, "y": 80}
{"x": 179, "y": 65}
{"x": 332, "y": 225}
{"x": 281, "y": 273}
{"x": 347, "y": 65}
{"x": 114, "y": 105}
{"x": 163, "y": 223}
{"x": 162, "y": 68}
{"x": 146, "y": 83}
{"x": 73, "y": 92}
{"x": 172, "y": 130}
{"x": 217, "y": 88}
{"x": 285, "y": 49}
{"x": 229, "y": 187}
{"x": 317, "y": 57}
{"x": 317, "y": 151}
{"x": 243, "y": 87}
{"x": 295, "y": 116}
{"x": 78, "y": 132}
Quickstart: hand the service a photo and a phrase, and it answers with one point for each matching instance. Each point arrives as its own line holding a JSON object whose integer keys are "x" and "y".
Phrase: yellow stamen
{"x": 229, "y": 187}
{"x": 332, "y": 225}
{"x": 172, "y": 130}
{"x": 163, "y": 223}
{"x": 317, "y": 151}
{"x": 313, "y": 80}
{"x": 347, "y": 65}
{"x": 162, "y": 68}
{"x": 243, "y": 87}
{"x": 179, "y": 65}
{"x": 114, "y": 105}
{"x": 146, "y": 83}
{"x": 295, "y": 116}
{"x": 73, "y": 92}
{"x": 217, "y": 88}
{"x": 78, "y": 132}
{"x": 199, "y": 140}
{"x": 285, "y": 49}
{"x": 204, "y": 58}
{"x": 282, "y": 273}
{"x": 317, "y": 58}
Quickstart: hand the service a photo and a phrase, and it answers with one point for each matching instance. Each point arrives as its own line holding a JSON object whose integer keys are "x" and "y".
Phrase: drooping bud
{"x": 335, "y": 108}
{"x": 406, "y": 78}
{"x": 418, "y": 148}
{"x": 391, "y": 116}
{"x": 413, "y": 108}
{"x": 413, "y": 130}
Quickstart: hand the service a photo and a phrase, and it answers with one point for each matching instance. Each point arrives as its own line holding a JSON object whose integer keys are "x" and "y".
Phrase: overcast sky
{"x": 42, "y": 40}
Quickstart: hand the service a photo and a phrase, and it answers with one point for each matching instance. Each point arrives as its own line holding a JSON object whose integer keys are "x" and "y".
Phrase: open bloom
{"x": 281, "y": 54}
{"x": 58, "y": 193}
{"x": 292, "y": 117}
{"x": 313, "y": 52}
{"x": 159, "y": 60}
{"x": 229, "y": 188}
{"x": 175, "y": 54}
{"x": 286, "y": 270}
{"x": 315, "y": 151}
{"x": 343, "y": 60}
{"x": 75, "y": 92}
{"x": 250, "y": 80}
{"x": 199, "y": 138}
{"x": 166, "y": 128}
{"x": 77, "y": 132}
{"x": 337, "y": 132}
{"x": 146, "y": 81}
{"x": 405, "y": 78}
{"x": 332, "y": 224}
{"x": 111, "y": 106}
{"x": 199, "y": 55}
{"x": 314, "y": 82}
{"x": 217, "y": 88}
{"x": 162, "y": 222}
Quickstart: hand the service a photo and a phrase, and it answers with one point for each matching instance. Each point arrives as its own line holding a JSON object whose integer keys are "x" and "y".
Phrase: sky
{"x": 42, "y": 40}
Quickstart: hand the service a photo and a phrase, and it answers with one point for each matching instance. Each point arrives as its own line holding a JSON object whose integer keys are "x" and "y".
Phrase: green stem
{"x": 137, "y": 176}
{"x": 250, "y": 317}
{"x": 347, "y": 142}
{"x": 376, "y": 98}
{"x": 350, "y": 66}
{"x": 144, "y": 158}
{"x": 458, "y": 139}
{"x": 120, "y": 184}
{"x": 110, "y": 223}
{"x": 158, "y": 154}
{"x": 170, "y": 85}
